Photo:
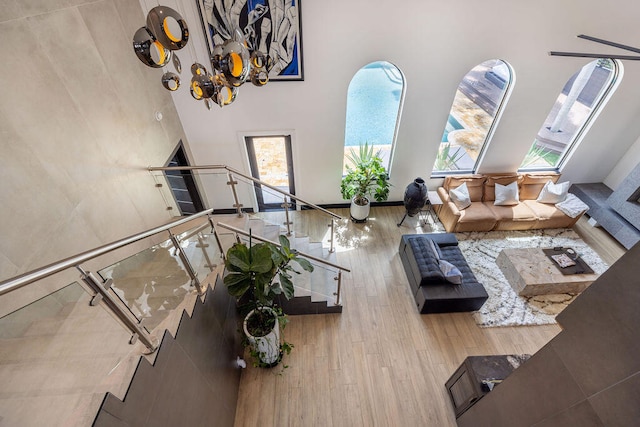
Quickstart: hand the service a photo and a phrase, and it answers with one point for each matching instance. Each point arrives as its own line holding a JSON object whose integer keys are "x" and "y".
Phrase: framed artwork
{"x": 270, "y": 26}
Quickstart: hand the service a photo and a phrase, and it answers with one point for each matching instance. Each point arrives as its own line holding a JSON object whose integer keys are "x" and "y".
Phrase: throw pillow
{"x": 553, "y": 193}
{"x": 460, "y": 196}
{"x": 507, "y": 195}
{"x": 436, "y": 249}
{"x": 451, "y": 273}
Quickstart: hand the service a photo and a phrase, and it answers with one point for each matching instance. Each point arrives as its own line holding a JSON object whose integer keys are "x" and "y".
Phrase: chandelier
{"x": 232, "y": 61}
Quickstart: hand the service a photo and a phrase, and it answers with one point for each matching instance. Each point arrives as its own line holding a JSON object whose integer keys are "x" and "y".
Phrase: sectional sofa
{"x": 482, "y": 214}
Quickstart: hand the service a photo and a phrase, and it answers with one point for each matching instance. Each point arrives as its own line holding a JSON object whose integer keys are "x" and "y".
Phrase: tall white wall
{"x": 435, "y": 44}
{"x": 629, "y": 161}
{"x": 77, "y": 132}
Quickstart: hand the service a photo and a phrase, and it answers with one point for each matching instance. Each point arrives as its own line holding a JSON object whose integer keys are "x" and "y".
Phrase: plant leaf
{"x": 287, "y": 286}
{"x": 305, "y": 264}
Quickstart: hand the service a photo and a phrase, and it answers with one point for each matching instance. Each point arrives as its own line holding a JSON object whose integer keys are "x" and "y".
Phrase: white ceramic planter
{"x": 359, "y": 213}
{"x": 268, "y": 346}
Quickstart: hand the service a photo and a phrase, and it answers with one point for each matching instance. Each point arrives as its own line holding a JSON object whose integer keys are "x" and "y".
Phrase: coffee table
{"x": 530, "y": 272}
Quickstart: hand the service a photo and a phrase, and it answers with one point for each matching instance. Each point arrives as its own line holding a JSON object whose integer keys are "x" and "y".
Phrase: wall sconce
{"x": 233, "y": 63}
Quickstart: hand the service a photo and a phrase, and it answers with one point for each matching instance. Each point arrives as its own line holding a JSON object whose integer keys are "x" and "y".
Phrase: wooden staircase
{"x": 315, "y": 293}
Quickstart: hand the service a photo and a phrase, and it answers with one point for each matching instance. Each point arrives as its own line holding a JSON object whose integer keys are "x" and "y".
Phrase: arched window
{"x": 476, "y": 108}
{"x": 582, "y": 97}
{"x": 374, "y": 104}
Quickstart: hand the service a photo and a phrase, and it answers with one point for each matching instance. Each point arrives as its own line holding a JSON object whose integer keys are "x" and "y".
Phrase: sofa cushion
{"x": 492, "y": 180}
{"x": 506, "y": 195}
{"x": 516, "y": 217}
{"x": 474, "y": 183}
{"x": 460, "y": 196}
{"x": 477, "y": 217}
{"x": 553, "y": 193}
{"x": 549, "y": 216}
{"x": 427, "y": 263}
{"x": 532, "y": 184}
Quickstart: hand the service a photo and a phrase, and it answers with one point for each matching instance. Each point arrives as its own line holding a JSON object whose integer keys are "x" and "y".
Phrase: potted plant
{"x": 366, "y": 176}
{"x": 256, "y": 276}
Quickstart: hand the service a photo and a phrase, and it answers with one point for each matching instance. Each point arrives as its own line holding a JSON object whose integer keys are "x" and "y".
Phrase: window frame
{"x": 584, "y": 129}
{"x": 510, "y": 84}
{"x": 396, "y": 126}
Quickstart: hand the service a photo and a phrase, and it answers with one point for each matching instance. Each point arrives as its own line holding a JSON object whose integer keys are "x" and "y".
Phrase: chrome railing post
{"x": 332, "y": 236}
{"x": 102, "y": 289}
{"x": 339, "y": 279}
{"x": 286, "y": 205}
{"x": 204, "y": 245}
{"x": 187, "y": 264}
{"x": 215, "y": 234}
{"x": 233, "y": 184}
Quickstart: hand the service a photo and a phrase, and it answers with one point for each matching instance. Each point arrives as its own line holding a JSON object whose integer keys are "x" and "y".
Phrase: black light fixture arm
{"x": 597, "y": 55}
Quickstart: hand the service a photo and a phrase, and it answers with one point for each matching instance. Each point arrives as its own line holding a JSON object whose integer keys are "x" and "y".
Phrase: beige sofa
{"x": 483, "y": 215}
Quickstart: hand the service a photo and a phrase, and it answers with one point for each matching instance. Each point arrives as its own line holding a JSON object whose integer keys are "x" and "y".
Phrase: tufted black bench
{"x": 433, "y": 294}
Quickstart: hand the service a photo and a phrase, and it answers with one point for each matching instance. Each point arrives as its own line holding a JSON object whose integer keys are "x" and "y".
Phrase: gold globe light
{"x": 198, "y": 69}
{"x": 168, "y": 27}
{"x": 149, "y": 50}
{"x": 170, "y": 81}
{"x": 225, "y": 95}
{"x": 233, "y": 61}
{"x": 259, "y": 77}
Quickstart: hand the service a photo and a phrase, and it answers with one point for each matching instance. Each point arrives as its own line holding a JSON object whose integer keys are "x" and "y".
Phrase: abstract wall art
{"x": 269, "y": 26}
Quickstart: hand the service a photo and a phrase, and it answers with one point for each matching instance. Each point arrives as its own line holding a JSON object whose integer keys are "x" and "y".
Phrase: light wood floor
{"x": 380, "y": 363}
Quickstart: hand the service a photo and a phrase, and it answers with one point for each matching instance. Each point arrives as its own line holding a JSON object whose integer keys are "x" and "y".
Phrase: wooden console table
{"x": 465, "y": 386}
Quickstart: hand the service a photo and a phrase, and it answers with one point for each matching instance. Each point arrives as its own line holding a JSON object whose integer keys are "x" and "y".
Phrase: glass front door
{"x": 271, "y": 161}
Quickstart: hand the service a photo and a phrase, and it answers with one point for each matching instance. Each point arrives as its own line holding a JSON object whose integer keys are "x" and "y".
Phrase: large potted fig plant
{"x": 257, "y": 275}
{"x": 366, "y": 176}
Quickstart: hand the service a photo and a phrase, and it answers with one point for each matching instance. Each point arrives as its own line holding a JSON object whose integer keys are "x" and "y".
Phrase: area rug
{"x": 504, "y": 306}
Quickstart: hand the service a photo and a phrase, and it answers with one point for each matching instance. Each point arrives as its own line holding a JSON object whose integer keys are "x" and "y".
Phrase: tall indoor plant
{"x": 366, "y": 176}
{"x": 256, "y": 276}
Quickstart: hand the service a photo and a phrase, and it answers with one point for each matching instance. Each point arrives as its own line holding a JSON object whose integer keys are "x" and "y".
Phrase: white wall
{"x": 629, "y": 161}
{"x": 435, "y": 44}
{"x": 77, "y": 132}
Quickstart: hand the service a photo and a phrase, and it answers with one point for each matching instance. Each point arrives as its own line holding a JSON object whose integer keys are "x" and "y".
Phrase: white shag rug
{"x": 504, "y": 306}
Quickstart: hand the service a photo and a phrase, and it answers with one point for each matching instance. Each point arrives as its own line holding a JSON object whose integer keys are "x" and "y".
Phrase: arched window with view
{"x": 476, "y": 109}
{"x": 374, "y": 105}
{"x": 582, "y": 97}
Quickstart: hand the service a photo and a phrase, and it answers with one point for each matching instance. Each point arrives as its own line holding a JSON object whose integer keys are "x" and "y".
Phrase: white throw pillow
{"x": 450, "y": 272}
{"x": 507, "y": 195}
{"x": 553, "y": 193}
{"x": 460, "y": 196}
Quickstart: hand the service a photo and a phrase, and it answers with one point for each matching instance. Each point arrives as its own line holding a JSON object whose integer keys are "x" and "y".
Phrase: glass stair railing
{"x": 61, "y": 353}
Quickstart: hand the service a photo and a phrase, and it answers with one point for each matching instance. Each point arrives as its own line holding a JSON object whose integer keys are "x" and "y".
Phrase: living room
{"x": 81, "y": 127}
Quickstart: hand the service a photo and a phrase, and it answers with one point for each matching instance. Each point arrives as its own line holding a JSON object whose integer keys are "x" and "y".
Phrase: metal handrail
{"x": 257, "y": 181}
{"x": 17, "y": 282}
{"x": 262, "y": 239}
